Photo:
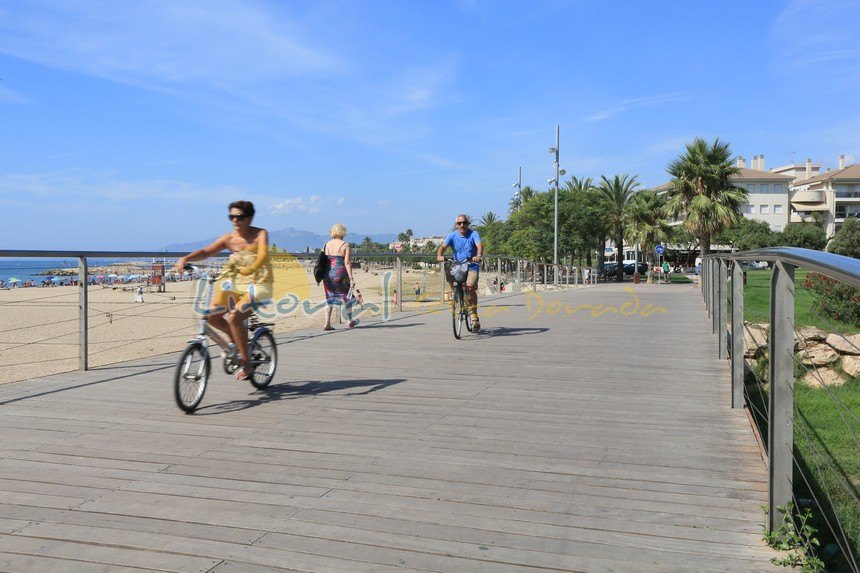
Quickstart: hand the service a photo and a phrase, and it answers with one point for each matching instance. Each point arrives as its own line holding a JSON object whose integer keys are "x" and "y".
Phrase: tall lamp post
{"x": 554, "y": 151}
{"x": 519, "y": 190}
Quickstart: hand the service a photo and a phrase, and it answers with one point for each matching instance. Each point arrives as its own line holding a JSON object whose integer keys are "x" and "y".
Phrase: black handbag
{"x": 322, "y": 267}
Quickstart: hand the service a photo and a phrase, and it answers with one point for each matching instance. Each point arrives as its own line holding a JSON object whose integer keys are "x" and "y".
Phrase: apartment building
{"x": 827, "y": 198}
{"x": 768, "y": 193}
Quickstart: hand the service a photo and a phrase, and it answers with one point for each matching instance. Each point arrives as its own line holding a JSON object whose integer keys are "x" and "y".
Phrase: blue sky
{"x": 131, "y": 125}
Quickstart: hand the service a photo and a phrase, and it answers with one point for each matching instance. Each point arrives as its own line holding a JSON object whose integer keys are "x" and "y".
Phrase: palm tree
{"x": 618, "y": 194}
{"x": 703, "y": 191}
{"x": 488, "y": 219}
{"x": 576, "y": 185}
{"x": 521, "y": 198}
{"x": 649, "y": 223}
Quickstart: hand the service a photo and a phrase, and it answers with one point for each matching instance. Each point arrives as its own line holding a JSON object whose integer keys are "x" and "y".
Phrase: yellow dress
{"x": 235, "y": 285}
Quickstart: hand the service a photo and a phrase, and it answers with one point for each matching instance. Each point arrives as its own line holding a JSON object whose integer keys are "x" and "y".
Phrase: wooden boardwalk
{"x": 550, "y": 442}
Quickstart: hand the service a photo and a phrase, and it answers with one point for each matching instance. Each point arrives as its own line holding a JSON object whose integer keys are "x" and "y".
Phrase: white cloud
{"x": 628, "y": 104}
{"x": 163, "y": 43}
{"x": 77, "y": 186}
{"x": 8, "y": 96}
{"x": 818, "y": 37}
{"x": 310, "y": 204}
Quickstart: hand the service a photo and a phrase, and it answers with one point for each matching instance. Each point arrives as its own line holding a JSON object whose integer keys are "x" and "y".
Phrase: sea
{"x": 26, "y": 269}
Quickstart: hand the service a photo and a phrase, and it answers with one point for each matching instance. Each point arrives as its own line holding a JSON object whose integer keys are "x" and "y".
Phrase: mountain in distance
{"x": 293, "y": 240}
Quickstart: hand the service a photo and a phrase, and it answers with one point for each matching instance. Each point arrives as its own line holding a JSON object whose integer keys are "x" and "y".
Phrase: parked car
{"x": 629, "y": 270}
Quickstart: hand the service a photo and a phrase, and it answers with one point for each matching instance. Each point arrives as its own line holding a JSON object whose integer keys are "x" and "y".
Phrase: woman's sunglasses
{"x": 237, "y": 217}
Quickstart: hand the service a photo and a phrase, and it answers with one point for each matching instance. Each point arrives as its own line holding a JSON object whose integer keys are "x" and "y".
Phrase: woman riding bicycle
{"x": 245, "y": 281}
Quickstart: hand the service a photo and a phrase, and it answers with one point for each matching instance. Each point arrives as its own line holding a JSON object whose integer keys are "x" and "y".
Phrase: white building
{"x": 768, "y": 193}
{"x": 827, "y": 198}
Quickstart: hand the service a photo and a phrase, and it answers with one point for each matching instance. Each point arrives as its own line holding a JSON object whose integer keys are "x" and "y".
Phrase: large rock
{"x": 810, "y": 333}
{"x": 843, "y": 344}
{"x": 755, "y": 340}
{"x": 828, "y": 376}
{"x": 851, "y": 365}
{"x": 819, "y": 355}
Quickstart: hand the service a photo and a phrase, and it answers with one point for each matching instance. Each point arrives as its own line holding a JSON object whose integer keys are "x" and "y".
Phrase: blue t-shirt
{"x": 464, "y": 247}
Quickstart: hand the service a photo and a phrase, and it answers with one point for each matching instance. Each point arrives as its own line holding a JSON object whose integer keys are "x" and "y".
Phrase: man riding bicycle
{"x": 466, "y": 245}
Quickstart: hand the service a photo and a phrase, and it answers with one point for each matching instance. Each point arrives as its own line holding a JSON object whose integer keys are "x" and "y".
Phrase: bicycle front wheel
{"x": 264, "y": 359}
{"x": 457, "y": 315}
{"x": 192, "y": 373}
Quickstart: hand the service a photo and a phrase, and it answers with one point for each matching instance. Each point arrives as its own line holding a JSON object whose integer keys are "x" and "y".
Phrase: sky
{"x": 132, "y": 125}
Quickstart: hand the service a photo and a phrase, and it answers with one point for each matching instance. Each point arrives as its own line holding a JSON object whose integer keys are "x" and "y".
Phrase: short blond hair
{"x": 337, "y": 231}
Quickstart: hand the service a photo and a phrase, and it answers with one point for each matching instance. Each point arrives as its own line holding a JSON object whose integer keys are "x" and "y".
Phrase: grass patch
{"x": 830, "y": 459}
{"x": 757, "y": 303}
{"x": 825, "y": 445}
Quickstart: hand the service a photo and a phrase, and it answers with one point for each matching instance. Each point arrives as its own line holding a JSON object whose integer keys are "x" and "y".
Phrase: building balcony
{"x": 802, "y": 218}
{"x": 808, "y": 196}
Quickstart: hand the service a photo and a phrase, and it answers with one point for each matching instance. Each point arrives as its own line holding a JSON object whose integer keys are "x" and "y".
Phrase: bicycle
{"x": 192, "y": 370}
{"x": 461, "y": 312}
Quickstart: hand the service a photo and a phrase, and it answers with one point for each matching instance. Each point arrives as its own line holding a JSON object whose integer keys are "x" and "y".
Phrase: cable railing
{"x": 51, "y": 330}
{"x": 798, "y": 376}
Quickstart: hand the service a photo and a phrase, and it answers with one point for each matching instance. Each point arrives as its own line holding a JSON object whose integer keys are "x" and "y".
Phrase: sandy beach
{"x": 41, "y": 323}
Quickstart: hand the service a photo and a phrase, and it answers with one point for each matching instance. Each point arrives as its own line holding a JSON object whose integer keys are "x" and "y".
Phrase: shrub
{"x": 834, "y": 298}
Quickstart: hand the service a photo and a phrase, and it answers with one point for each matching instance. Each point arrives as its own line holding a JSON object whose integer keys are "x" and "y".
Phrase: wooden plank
{"x": 547, "y": 453}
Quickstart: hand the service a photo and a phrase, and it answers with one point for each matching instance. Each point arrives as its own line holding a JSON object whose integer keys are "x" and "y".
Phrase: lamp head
{"x": 562, "y": 172}
{"x": 552, "y": 150}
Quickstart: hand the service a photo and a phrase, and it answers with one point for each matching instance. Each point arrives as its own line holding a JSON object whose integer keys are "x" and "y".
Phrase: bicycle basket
{"x": 459, "y": 271}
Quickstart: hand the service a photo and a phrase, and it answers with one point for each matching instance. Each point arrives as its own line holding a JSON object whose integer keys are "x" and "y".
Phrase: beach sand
{"x": 40, "y": 324}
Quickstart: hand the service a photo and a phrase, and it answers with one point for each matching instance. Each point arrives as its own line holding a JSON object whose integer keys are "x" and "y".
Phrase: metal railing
{"x": 512, "y": 274}
{"x": 723, "y": 271}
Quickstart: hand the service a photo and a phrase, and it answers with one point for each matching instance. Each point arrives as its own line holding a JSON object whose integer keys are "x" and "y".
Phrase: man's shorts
{"x": 471, "y": 277}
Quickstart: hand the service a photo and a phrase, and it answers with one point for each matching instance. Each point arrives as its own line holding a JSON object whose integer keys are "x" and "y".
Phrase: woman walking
{"x": 338, "y": 281}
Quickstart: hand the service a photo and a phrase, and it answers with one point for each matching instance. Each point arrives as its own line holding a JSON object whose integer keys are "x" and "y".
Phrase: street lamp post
{"x": 519, "y": 192}
{"x": 554, "y": 151}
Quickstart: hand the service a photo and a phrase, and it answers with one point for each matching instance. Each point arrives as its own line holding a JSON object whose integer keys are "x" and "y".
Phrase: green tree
{"x": 703, "y": 191}
{"x": 846, "y": 241}
{"x": 493, "y": 232}
{"x": 804, "y": 235}
{"x": 520, "y": 199}
{"x": 649, "y": 223}
{"x": 750, "y": 234}
{"x": 528, "y": 233}
{"x": 618, "y": 193}
{"x": 581, "y": 225}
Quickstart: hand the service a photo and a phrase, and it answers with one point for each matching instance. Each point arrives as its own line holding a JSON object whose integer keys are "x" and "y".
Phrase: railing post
{"x": 722, "y": 308}
{"x": 737, "y": 335}
{"x": 400, "y": 283}
{"x": 444, "y": 282}
{"x": 715, "y": 293}
{"x": 706, "y": 284}
{"x": 780, "y": 440}
{"x": 520, "y": 274}
{"x": 499, "y": 274}
{"x": 83, "y": 312}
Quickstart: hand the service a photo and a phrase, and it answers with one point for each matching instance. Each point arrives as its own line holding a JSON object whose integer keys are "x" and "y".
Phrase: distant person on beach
{"x": 466, "y": 246}
{"x": 138, "y": 296}
{"x": 339, "y": 280}
{"x": 245, "y": 281}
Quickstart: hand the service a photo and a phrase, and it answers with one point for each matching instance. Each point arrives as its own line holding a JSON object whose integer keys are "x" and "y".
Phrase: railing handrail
{"x": 842, "y": 268}
{"x": 176, "y": 254}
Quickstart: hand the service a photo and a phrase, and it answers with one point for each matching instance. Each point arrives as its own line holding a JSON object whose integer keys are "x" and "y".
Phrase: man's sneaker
{"x": 476, "y": 323}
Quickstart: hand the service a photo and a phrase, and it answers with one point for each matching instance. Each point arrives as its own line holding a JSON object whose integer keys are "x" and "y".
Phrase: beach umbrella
{"x": 57, "y": 279}
{"x": 133, "y": 277}
{"x": 111, "y": 276}
{"x": 14, "y": 280}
